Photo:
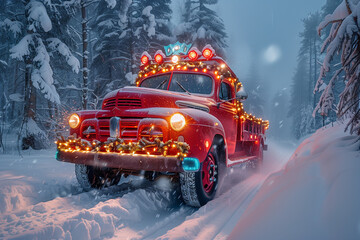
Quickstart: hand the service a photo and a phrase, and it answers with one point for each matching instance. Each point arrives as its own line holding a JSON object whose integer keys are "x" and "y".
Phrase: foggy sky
{"x": 254, "y": 26}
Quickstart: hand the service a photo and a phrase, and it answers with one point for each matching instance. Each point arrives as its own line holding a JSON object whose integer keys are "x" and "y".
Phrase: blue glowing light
{"x": 57, "y": 155}
{"x": 177, "y": 48}
{"x": 190, "y": 164}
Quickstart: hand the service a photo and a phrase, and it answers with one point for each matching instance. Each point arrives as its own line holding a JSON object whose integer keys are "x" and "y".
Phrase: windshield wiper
{"x": 161, "y": 84}
{"x": 182, "y": 87}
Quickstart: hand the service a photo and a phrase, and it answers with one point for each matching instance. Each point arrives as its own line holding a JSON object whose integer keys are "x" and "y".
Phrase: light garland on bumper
{"x": 117, "y": 145}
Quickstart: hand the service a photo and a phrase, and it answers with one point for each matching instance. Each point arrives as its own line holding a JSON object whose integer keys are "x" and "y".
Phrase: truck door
{"x": 226, "y": 113}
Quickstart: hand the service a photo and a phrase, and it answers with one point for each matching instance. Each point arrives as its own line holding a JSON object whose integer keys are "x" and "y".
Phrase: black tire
{"x": 92, "y": 177}
{"x": 194, "y": 190}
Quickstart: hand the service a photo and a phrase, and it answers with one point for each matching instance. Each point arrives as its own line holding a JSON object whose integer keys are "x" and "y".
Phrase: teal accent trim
{"x": 57, "y": 155}
{"x": 177, "y": 48}
{"x": 190, "y": 164}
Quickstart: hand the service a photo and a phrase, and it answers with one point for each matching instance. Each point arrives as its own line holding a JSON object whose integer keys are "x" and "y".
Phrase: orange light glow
{"x": 193, "y": 55}
{"x": 207, "y": 53}
{"x": 177, "y": 122}
{"x": 196, "y": 70}
{"x": 74, "y": 120}
{"x": 206, "y": 144}
{"x": 144, "y": 59}
{"x": 159, "y": 58}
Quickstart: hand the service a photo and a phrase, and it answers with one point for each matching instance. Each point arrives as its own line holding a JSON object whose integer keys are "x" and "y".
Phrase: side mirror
{"x": 241, "y": 95}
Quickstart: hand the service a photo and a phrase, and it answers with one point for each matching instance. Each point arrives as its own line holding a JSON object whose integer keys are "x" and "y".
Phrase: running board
{"x": 231, "y": 162}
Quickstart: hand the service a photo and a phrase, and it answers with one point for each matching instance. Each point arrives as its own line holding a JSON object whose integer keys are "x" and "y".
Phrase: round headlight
{"x": 74, "y": 120}
{"x": 177, "y": 121}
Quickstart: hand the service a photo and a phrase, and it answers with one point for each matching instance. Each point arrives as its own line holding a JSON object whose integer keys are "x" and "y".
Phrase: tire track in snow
{"x": 208, "y": 221}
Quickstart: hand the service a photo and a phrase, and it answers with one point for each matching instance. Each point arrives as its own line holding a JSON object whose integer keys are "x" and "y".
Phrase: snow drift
{"x": 315, "y": 196}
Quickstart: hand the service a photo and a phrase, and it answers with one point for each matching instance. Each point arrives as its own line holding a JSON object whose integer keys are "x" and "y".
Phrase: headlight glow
{"x": 177, "y": 121}
{"x": 74, "y": 120}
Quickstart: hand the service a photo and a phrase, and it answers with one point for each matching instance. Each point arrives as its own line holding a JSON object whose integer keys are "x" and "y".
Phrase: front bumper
{"x": 122, "y": 161}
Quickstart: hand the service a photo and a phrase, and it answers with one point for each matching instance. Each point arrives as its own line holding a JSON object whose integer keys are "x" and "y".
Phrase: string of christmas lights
{"x": 118, "y": 145}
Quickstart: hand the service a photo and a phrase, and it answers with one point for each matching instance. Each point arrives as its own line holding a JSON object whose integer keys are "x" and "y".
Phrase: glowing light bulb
{"x": 175, "y": 59}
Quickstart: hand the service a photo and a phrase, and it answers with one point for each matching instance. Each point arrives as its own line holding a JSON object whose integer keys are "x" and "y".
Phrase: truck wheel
{"x": 92, "y": 177}
{"x": 197, "y": 188}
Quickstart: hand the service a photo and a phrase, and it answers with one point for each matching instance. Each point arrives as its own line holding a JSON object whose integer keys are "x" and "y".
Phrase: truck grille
{"x": 128, "y": 129}
{"x": 122, "y": 102}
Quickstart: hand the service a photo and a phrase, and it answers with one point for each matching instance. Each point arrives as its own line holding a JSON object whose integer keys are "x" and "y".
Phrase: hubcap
{"x": 209, "y": 173}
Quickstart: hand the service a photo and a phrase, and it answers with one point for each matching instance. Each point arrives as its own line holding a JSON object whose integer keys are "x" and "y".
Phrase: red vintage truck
{"x": 184, "y": 119}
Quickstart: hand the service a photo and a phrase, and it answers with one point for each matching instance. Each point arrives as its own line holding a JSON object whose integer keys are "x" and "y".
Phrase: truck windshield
{"x": 159, "y": 82}
{"x": 181, "y": 82}
{"x": 191, "y": 83}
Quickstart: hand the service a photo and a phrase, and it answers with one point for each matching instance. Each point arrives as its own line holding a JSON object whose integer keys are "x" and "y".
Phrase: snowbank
{"x": 315, "y": 196}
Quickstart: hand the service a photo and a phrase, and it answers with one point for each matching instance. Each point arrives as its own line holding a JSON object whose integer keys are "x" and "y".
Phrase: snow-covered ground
{"x": 40, "y": 198}
{"x": 313, "y": 195}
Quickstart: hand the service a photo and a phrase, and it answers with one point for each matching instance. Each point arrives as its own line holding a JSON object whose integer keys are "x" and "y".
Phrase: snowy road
{"x": 41, "y": 199}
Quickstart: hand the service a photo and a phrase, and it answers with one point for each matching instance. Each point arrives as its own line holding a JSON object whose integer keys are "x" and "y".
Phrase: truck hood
{"x": 132, "y": 98}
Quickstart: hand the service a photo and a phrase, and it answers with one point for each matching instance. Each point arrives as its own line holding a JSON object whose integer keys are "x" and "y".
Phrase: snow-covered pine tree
{"x": 343, "y": 38}
{"x": 112, "y": 56}
{"x": 299, "y": 98}
{"x": 306, "y": 73}
{"x": 310, "y": 50}
{"x": 10, "y": 94}
{"x": 35, "y": 49}
{"x": 200, "y": 25}
{"x": 339, "y": 86}
{"x": 126, "y": 31}
{"x": 146, "y": 28}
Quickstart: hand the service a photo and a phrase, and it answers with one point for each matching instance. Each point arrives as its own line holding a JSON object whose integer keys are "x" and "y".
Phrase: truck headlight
{"x": 74, "y": 120}
{"x": 177, "y": 121}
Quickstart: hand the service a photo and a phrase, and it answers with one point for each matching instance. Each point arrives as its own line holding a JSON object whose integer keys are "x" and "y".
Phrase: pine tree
{"x": 126, "y": 31}
{"x": 200, "y": 26}
{"x": 310, "y": 49}
{"x": 35, "y": 49}
{"x": 330, "y": 116}
{"x": 302, "y": 99}
{"x": 299, "y": 98}
{"x": 10, "y": 28}
{"x": 343, "y": 38}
